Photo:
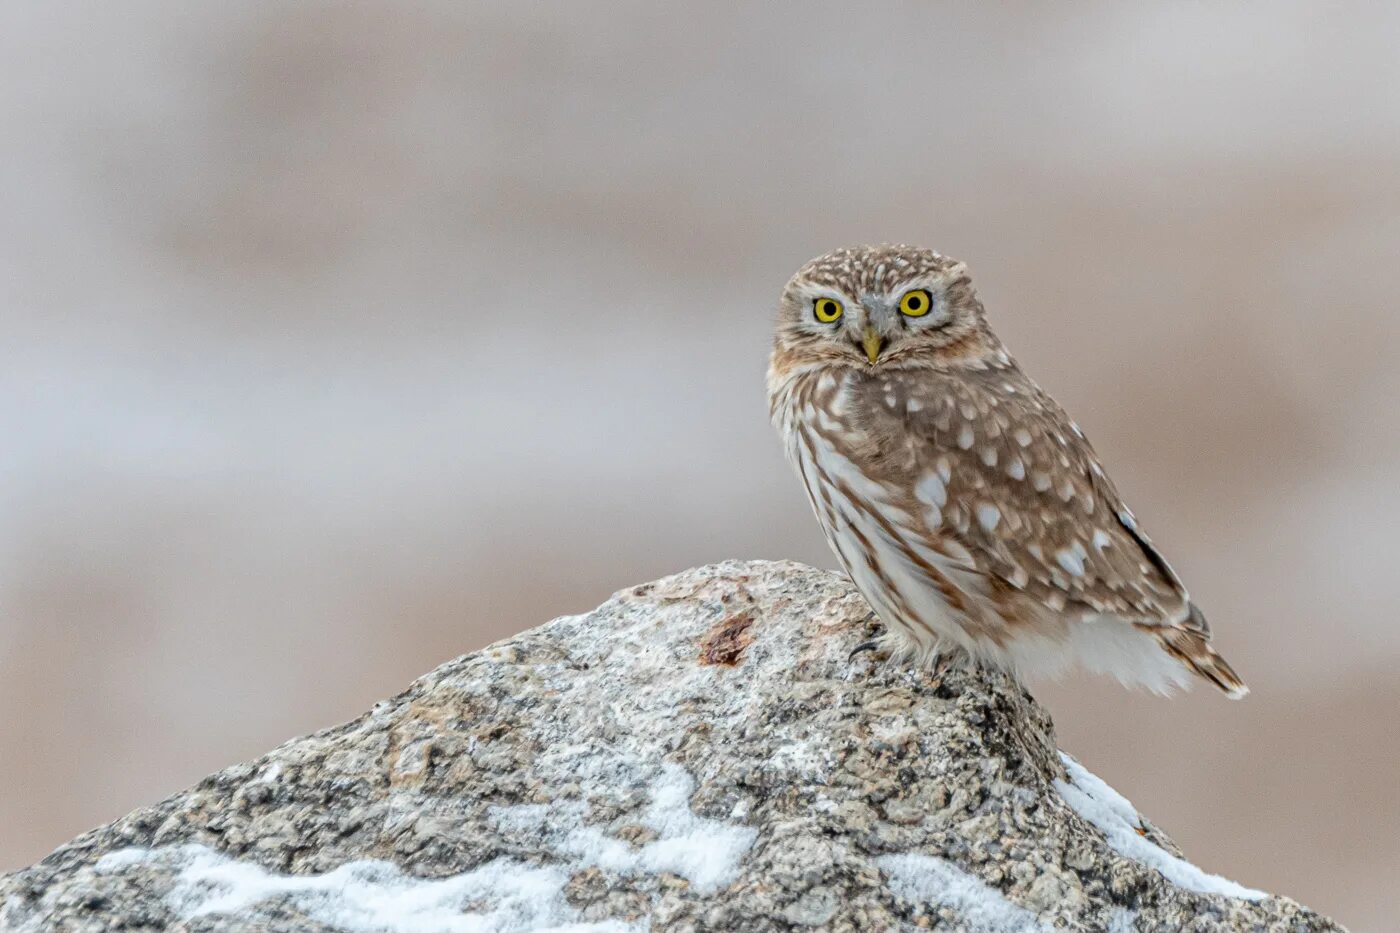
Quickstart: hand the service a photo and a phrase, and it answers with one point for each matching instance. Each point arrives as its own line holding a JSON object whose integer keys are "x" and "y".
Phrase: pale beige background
{"x": 339, "y": 339}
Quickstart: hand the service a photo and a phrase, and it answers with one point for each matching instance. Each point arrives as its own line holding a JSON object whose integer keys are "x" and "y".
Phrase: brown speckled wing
{"x": 992, "y": 464}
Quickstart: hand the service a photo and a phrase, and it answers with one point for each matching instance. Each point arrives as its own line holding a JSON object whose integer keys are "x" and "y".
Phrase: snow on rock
{"x": 931, "y": 880}
{"x": 501, "y": 896}
{"x": 699, "y": 753}
{"x": 1118, "y": 820}
{"x": 704, "y": 852}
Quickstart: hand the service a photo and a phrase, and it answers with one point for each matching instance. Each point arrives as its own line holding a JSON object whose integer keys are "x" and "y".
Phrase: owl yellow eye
{"x": 827, "y": 310}
{"x": 915, "y": 303}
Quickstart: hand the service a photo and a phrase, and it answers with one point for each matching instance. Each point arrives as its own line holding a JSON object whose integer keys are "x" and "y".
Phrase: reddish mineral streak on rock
{"x": 725, "y": 643}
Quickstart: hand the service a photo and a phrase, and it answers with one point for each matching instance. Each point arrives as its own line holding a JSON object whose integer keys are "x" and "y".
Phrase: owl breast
{"x": 923, "y": 586}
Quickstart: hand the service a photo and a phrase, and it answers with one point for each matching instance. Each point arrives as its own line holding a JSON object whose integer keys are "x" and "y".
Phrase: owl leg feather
{"x": 886, "y": 647}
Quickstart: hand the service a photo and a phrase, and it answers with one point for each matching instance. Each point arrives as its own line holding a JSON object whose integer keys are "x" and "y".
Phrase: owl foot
{"x": 877, "y": 644}
{"x": 874, "y": 645}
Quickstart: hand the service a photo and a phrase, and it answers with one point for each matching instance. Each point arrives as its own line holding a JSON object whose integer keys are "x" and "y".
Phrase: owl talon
{"x": 873, "y": 645}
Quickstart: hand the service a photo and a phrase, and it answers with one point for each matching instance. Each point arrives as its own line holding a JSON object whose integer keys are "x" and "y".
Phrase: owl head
{"x": 871, "y": 307}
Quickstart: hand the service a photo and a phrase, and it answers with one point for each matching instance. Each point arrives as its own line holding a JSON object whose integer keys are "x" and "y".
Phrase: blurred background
{"x": 339, "y": 339}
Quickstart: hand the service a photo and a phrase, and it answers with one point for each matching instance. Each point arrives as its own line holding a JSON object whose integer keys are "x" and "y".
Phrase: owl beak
{"x": 872, "y": 343}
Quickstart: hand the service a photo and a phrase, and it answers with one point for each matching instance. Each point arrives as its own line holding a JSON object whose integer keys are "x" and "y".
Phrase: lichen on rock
{"x": 697, "y": 753}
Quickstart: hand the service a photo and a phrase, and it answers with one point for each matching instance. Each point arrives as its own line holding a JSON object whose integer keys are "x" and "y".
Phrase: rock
{"x": 696, "y": 754}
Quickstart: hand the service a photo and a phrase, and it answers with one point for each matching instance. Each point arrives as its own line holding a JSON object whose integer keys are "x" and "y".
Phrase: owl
{"x": 967, "y": 507}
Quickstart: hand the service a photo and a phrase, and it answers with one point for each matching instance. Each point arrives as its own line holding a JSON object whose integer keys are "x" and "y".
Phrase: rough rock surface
{"x": 696, "y": 754}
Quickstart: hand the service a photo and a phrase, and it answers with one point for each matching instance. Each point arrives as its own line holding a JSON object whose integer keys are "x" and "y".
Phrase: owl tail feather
{"x": 1193, "y": 650}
